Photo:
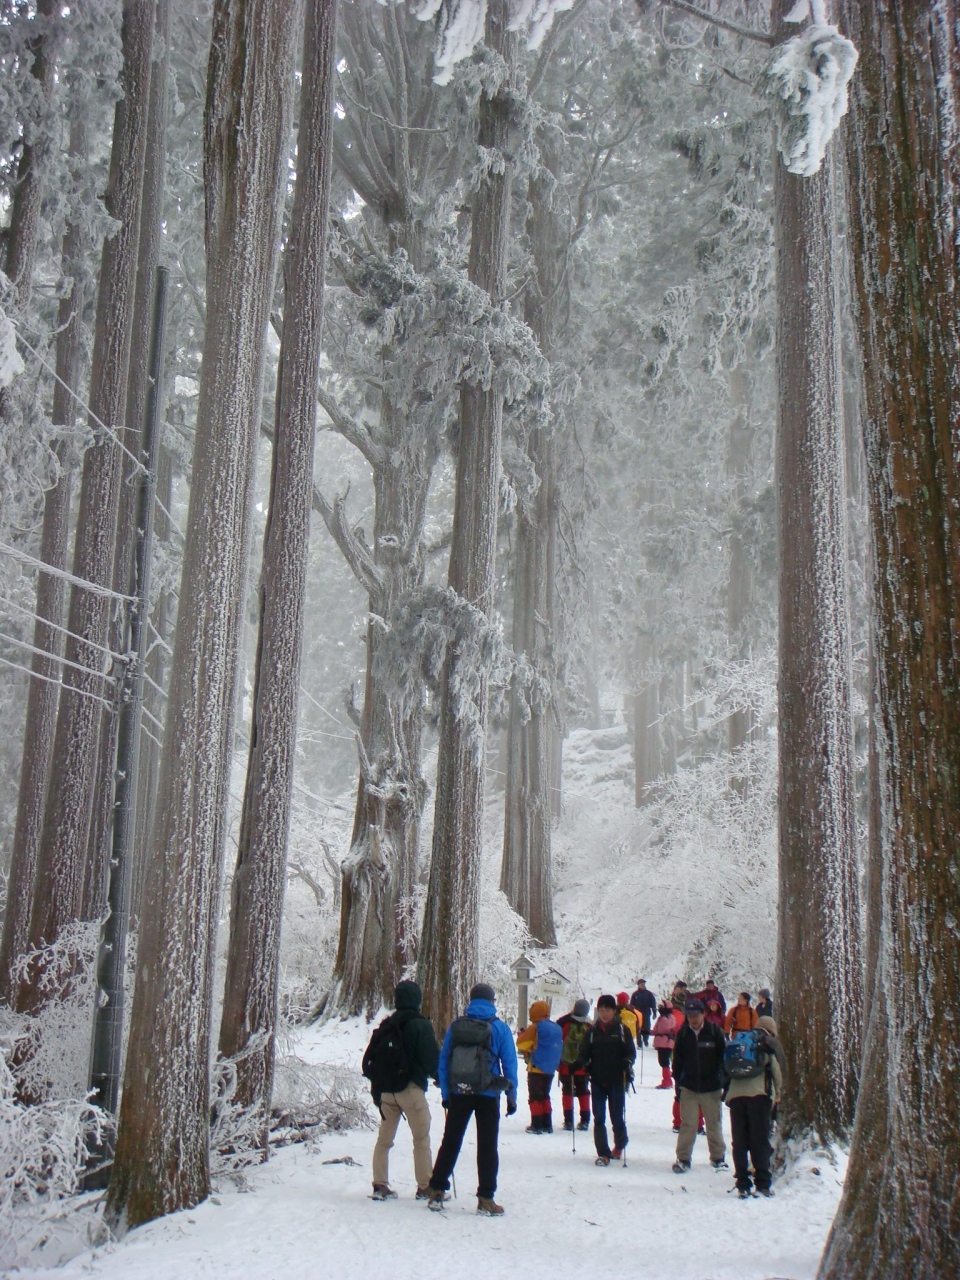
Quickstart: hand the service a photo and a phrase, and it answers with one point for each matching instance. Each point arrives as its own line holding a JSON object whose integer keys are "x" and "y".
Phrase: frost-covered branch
{"x": 808, "y": 80}
{"x": 736, "y": 28}
{"x": 353, "y": 432}
{"x": 355, "y": 550}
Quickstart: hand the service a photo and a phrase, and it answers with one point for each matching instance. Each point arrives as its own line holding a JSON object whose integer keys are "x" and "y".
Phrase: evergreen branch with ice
{"x": 807, "y": 82}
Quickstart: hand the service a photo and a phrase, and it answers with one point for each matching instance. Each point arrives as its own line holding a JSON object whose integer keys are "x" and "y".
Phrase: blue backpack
{"x": 546, "y": 1056}
{"x": 745, "y": 1056}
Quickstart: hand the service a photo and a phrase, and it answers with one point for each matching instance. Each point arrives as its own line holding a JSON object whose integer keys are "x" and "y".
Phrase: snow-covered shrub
{"x": 11, "y": 365}
{"x": 809, "y": 75}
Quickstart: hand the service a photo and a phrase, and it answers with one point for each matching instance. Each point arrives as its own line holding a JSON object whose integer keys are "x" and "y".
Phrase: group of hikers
{"x": 708, "y": 1055}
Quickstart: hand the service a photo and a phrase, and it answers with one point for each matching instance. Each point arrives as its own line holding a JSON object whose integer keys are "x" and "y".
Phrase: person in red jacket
{"x": 711, "y": 992}
{"x": 714, "y": 1013}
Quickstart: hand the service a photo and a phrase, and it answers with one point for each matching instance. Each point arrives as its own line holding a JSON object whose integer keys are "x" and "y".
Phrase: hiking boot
{"x": 583, "y": 1125}
{"x": 720, "y": 1164}
{"x": 701, "y": 1133}
{"x": 534, "y": 1128}
{"x": 744, "y": 1193}
{"x": 488, "y": 1208}
{"x": 681, "y": 1166}
{"x": 435, "y": 1198}
{"x": 424, "y": 1193}
{"x": 382, "y": 1192}
{"x": 568, "y": 1123}
{"x": 676, "y": 1128}
{"x": 603, "y": 1161}
{"x": 765, "y": 1192}
{"x": 616, "y": 1153}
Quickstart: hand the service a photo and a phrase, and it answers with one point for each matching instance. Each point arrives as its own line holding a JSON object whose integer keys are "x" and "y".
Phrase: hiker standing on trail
{"x": 751, "y": 1097}
{"x": 574, "y": 1026}
{"x": 711, "y": 992}
{"x": 664, "y": 1038}
{"x": 765, "y": 1004}
{"x": 608, "y": 1055}
{"x": 714, "y": 1013}
{"x": 698, "y": 1072}
{"x": 400, "y": 1060}
{"x": 629, "y": 1016}
{"x": 741, "y": 1016}
{"x": 541, "y": 1044}
{"x": 478, "y": 1062}
{"x": 645, "y": 1003}
{"x": 769, "y": 1027}
{"x": 679, "y": 996}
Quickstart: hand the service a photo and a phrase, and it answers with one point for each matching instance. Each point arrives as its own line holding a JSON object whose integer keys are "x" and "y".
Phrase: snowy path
{"x": 304, "y": 1219}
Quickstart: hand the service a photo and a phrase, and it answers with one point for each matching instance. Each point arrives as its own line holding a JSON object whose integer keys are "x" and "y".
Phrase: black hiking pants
{"x": 607, "y": 1093}
{"x": 459, "y": 1111}
{"x": 750, "y": 1132}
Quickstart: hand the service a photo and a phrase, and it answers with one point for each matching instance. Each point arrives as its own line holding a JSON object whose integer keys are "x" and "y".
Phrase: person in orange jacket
{"x": 741, "y": 1016}
{"x": 541, "y": 1044}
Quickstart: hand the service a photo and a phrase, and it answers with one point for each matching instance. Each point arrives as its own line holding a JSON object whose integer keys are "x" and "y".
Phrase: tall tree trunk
{"x": 739, "y": 582}
{"x": 449, "y": 947}
{"x": 819, "y": 974}
{"x": 62, "y": 858}
{"x": 248, "y": 1026}
{"x": 897, "y": 1219}
{"x": 526, "y": 875}
{"x": 43, "y": 694}
{"x": 646, "y": 727}
{"x": 162, "y": 1157}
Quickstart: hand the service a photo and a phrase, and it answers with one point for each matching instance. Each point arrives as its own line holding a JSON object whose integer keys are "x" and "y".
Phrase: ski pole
{"x": 641, "y": 1059}
{"x": 454, "y": 1177}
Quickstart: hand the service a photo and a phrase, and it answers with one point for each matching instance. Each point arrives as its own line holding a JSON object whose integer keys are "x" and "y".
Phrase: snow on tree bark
{"x": 62, "y": 857}
{"x": 740, "y": 722}
{"x": 898, "y": 1217}
{"x": 819, "y": 974}
{"x": 162, "y": 1156}
{"x": 449, "y": 944}
{"x": 248, "y": 1025}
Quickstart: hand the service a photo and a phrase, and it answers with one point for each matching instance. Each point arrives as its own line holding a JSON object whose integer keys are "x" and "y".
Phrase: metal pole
{"x": 106, "y": 1052}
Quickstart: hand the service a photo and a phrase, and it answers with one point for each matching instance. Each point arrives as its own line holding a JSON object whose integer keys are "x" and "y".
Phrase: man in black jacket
{"x": 608, "y": 1055}
{"x": 698, "y": 1072}
{"x": 645, "y": 1002}
{"x": 422, "y": 1055}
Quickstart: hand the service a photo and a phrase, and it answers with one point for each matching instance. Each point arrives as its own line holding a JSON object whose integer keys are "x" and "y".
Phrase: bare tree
{"x": 248, "y": 1024}
{"x": 162, "y": 1157}
{"x": 449, "y": 944}
{"x": 897, "y": 1216}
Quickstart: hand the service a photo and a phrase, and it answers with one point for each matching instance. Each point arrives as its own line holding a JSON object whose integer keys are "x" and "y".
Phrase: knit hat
{"x": 407, "y": 995}
{"x": 679, "y": 998}
{"x": 768, "y": 1025}
{"x": 539, "y": 1010}
{"x": 581, "y": 1010}
{"x": 606, "y": 1002}
{"x": 622, "y": 998}
{"x": 765, "y": 992}
{"x": 483, "y": 991}
{"x": 695, "y": 1006}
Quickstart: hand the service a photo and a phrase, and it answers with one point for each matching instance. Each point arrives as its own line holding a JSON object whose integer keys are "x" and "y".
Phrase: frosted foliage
{"x": 460, "y": 26}
{"x": 11, "y": 366}
{"x": 808, "y": 78}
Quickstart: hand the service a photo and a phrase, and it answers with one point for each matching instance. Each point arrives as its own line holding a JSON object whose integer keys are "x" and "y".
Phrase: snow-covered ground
{"x": 307, "y": 1215}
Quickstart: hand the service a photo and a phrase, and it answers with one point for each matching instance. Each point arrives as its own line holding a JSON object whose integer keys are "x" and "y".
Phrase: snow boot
{"x": 765, "y": 1192}
{"x": 584, "y": 1123}
{"x": 603, "y": 1161}
{"x": 681, "y": 1166}
{"x": 382, "y": 1192}
{"x": 616, "y": 1153}
{"x": 435, "y": 1198}
{"x": 568, "y": 1123}
{"x": 666, "y": 1081}
{"x": 744, "y": 1193}
{"x": 487, "y": 1207}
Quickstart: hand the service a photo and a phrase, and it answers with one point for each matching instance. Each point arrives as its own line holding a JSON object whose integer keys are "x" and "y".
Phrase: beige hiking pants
{"x": 412, "y": 1103}
{"x": 691, "y": 1104}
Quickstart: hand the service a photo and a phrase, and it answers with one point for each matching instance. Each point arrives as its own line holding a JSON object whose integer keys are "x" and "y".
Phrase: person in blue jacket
{"x": 478, "y": 1062}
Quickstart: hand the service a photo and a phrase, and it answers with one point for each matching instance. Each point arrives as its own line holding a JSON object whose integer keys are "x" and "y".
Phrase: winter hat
{"x": 768, "y": 1025}
{"x": 539, "y": 1010}
{"x": 765, "y": 992}
{"x": 679, "y": 998}
{"x": 581, "y": 1010}
{"x": 622, "y": 998}
{"x": 695, "y": 1006}
{"x": 606, "y": 1002}
{"x": 483, "y": 991}
{"x": 407, "y": 996}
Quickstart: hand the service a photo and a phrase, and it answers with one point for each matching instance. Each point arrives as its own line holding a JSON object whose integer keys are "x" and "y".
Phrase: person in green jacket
{"x": 422, "y": 1055}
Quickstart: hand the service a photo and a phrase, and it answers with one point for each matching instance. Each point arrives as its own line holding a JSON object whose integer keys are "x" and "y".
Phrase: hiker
{"x": 541, "y": 1044}
{"x": 712, "y": 992}
{"x": 679, "y": 996}
{"x": 664, "y": 1038}
{"x": 608, "y": 1055}
{"x": 678, "y": 1021}
{"x": 698, "y": 1072}
{"x": 574, "y": 1026}
{"x": 477, "y": 1063}
{"x": 741, "y": 1016}
{"x": 400, "y": 1060}
{"x": 769, "y": 1027}
{"x": 714, "y": 1013}
{"x": 629, "y": 1016}
{"x": 765, "y": 1004}
{"x": 752, "y": 1090}
{"x": 645, "y": 1003}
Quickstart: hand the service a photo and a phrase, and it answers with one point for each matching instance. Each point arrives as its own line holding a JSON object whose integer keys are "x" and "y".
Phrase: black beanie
{"x": 407, "y": 995}
{"x": 483, "y": 991}
{"x": 607, "y": 1002}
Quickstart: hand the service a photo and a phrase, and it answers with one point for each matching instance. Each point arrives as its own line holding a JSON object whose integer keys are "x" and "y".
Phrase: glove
{"x": 511, "y": 1104}
{"x": 444, "y": 1104}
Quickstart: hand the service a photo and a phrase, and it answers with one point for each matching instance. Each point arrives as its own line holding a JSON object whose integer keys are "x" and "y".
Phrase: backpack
{"x": 386, "y": 1063}
{"x": 546, "y": 1056}
{"x": 745, "y": 1056}
{"x": 471, "y": 1043}
{"x": 576, "y": 1036}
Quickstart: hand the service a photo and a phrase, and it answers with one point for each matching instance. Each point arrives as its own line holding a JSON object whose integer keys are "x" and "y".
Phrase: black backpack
{"x": 386, "y": 1063}
{"x": 471, "y": 1041}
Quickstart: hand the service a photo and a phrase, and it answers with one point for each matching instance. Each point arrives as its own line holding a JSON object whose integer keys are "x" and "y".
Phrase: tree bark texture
{"x": 646, "y": 723}
{"x": 43, "y": 694}
{"x": 162, "y": 1156}
{"x": 739, "y": 583}
{"x": 62, "y": 859}
{"x": 819, "y": 962}
{"x": 526, "y": 876}
{"x": 248, "y": 1025}
{"x": 449, "y": 946}
{"x": 899, "y": 1218}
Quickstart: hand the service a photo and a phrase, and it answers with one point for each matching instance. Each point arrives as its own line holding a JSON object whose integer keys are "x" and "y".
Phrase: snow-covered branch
{"x": 353, "y": 432}
{"x": 808, "y": 79}
{"x": 355, "y": 551}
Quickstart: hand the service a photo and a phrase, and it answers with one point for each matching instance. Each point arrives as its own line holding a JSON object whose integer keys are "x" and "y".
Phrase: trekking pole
{"x": 641, "y": 1059}
{"x": 573, "y": 1135}
{"x": 454, "y": 1177}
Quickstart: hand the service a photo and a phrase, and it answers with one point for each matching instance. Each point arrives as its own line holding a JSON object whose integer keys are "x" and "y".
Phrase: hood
{"x": 482, "y": 1009}
{"x": 539, "y": 1010}
{"x": 768, "y": 1025}
{"x": 407, "y": 996}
